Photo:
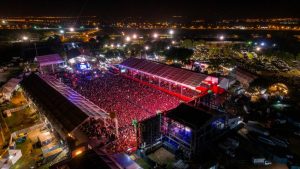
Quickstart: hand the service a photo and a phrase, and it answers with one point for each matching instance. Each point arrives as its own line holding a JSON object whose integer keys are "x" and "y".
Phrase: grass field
{"x": 21, "y": 119}
{"x": 29, "y": 155}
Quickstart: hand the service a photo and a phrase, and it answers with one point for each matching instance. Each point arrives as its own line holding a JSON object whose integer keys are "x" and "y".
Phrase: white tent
{"x": 49, "y": 61}
{"x": 9, "y": 87}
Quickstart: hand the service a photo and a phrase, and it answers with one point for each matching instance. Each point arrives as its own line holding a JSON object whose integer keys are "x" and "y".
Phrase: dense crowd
{"x": 127, "y": 99}
{"x": 95, "y": 129}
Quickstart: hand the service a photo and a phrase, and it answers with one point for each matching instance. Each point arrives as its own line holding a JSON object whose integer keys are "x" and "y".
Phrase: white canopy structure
{"x": 8, "y": 88}
{"x": 51, "y": 60}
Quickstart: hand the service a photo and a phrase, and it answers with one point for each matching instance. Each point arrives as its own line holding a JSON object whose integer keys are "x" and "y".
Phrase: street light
{"x": 258, "y": 49}
{"x": 134, "y": 36}
{"x": 62, "y": 31}
{"x": 173, "y": 42}
{"x": 118, "y": 45}
{"x": 262, "y": 44}
{"x": 221, "y": 37}
{"x": 155, "y": 35}
{"x": 128, "y": 39}
{"x": 147, "y": 48}
{"x": 171, "y": 32}
{"x": 71, "y": 29}
{"x": 112, "y": 45}
{"x": 25, "y": 38}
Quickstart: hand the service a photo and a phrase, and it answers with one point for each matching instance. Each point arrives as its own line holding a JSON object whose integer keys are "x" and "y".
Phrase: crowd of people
{"x": 95, "y": 129}
{"x": 127, "y": 99}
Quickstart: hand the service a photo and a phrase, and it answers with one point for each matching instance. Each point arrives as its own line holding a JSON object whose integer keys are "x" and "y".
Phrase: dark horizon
{"x": 214, "y": 9}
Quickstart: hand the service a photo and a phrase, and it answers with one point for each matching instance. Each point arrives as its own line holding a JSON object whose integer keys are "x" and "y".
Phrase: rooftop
{"x": 68, "y": 115}
{"x": 177, "y": 75}
{"x": 45, "y": 60}
{"x": 77, "y": 99}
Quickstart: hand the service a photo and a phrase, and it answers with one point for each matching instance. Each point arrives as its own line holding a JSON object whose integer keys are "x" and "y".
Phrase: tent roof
{"x": 61, "y": 108}
{"x": 77, "y": 99}
{"x": 176, "y": 75}
{"x": 45, "y": 60}
{"x": 10, "y": 86}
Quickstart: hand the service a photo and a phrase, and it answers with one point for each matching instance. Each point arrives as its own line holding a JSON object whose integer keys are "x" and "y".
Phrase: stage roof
{"x": 190, "y": 116}
{"x": 45, "y": 60}
{"x": 176, "y": 75}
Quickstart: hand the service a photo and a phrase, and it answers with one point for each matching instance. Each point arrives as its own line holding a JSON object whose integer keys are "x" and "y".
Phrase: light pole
{"x": 221, "y": 37}
{"x": 155, "y": 35}
{"x": 171, "y": 32}
{"x": 127, "y": 39}
{"x": 25, "y": 38}
{"x": 71, "y": 29}
{"x": 134, "y": 36}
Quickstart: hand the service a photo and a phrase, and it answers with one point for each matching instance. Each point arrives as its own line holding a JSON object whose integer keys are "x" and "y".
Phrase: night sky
{"x": 207, "y": 9}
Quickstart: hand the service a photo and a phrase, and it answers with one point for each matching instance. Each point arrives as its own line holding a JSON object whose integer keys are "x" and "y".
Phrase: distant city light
{"x": 168, "y": 47}
{"x": 147, "y": 47}
{"x": 155, "y": 35}
{"x": 128, "y": 39}
{"x": 106, "y": 45}
{"x": 173, "y": 42}
{"x": 97, "y": 28}
{"x": 171, "y": 32}
{"x": 71, "y": 29}
{"x": 62, "y": 31}
{"x": 262, "y": 44}
{"x": 118, "y": 45}
{"x": 112, "y": 45}
{"x": 124, "y": 45}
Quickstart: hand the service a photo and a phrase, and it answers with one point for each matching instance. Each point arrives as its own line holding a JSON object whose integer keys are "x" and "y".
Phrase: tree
{"x": 188, "y": 43}
{"x": 180, "y": 54}
{"x": 159, "y": 46}
{"x": 102, "y": 40}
